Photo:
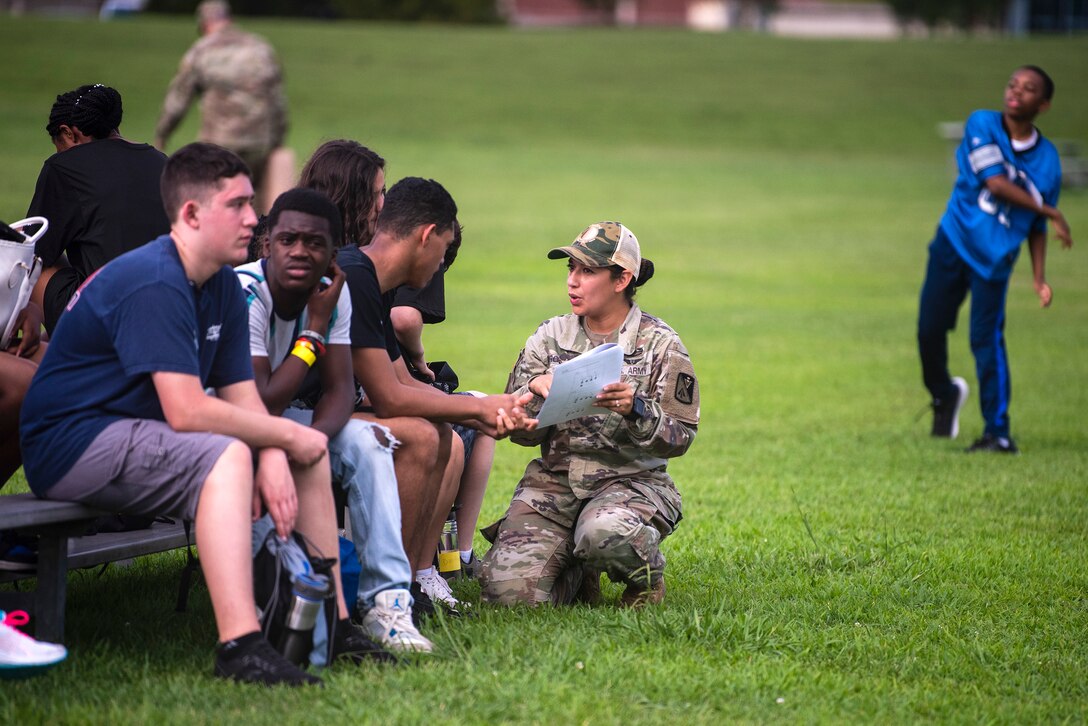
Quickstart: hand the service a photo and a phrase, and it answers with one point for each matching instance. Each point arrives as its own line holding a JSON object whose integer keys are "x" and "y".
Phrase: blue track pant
{"x": 948, "y": 280}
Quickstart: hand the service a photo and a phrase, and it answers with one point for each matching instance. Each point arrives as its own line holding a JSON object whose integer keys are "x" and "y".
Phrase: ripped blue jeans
{"x": 363, "y": 465}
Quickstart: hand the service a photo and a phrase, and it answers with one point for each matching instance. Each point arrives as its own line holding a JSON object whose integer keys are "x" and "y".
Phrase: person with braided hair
{"x": 99, "y": 192}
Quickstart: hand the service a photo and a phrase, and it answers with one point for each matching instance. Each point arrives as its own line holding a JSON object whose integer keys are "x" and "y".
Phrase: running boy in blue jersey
{"x": 1007, "y": 189}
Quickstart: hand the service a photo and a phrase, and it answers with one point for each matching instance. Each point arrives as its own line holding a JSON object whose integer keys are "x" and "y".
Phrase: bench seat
{"x": 62, "y": 547}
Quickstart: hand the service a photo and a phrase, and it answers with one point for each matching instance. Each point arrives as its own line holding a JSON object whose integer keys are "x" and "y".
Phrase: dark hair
{"x": 94, "y": 110}
{"x": 256, "y": 243}
{"x": 645, "y": 272}
{"x": 307, "y": 201}
{"x": 195, "y": 169}
{"x": 414, "y": 201}
{"x": 455, "y": 245}
{"x": 344, "y": 171}
{"x": 1048, "y": 82}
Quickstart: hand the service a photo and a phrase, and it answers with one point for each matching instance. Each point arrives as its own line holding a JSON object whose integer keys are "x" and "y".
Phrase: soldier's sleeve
{"x": 179, "y": 96}
{"x": 532, "y": 362}
{"x": 672, "y": 416}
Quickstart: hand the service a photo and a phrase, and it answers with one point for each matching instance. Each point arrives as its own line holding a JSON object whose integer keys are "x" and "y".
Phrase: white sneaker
{"x": 21, "y": 655}
{"x": 390, "y": 623}
{"x": 435, "y": 586}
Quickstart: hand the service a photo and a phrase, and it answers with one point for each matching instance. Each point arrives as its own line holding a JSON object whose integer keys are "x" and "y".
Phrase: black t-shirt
{"x": 429, "y": 300}
{"x": 370, "y": 323}
{"x": 102, "y": 200}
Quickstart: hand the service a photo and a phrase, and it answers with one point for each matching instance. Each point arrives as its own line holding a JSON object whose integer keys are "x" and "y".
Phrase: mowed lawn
{"x": 835, "y": 564}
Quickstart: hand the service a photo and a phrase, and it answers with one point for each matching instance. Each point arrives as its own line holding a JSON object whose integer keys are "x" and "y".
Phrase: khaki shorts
{"x": 138, "y": 466}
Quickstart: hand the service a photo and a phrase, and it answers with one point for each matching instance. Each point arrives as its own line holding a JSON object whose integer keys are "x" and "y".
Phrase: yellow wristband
{"x": 305, "y": 354}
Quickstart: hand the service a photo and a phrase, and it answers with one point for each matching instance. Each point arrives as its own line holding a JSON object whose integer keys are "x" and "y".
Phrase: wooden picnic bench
{"x": 62, "y": 546}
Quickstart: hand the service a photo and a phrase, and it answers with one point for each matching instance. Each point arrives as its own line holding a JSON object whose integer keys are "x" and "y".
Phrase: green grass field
{"x": 835, "y": 564}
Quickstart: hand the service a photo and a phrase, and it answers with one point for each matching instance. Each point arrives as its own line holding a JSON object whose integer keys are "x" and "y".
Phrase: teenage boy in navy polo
{"x": 118, "y": 418}
{"x": 1007, "y": 189}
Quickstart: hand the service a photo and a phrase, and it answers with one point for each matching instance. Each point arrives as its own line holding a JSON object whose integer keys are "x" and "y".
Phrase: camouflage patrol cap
{"x": 602, "y": 245}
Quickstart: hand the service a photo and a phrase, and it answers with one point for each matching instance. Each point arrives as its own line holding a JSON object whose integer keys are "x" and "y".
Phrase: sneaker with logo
{"x": 995, "y": 444}
{"x": 946, "y": 411}
{"x": 20, "y": 655}
{"x": 438, "y": 590}
{"x": 252, "y": 659}
{"x": 390, "y": 623}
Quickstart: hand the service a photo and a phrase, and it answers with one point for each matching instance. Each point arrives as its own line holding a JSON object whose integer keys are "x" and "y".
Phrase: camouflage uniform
{"x": 240, "y": 83}
{"x": 598, "y": 495}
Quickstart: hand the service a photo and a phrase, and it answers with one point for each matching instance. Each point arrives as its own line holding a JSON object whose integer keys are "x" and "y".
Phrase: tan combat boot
{"x": 590, "y": 591}
{"x": 636, "y": 597}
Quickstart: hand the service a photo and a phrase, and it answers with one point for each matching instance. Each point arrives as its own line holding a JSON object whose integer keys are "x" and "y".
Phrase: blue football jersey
{"x": 986, "y": 231}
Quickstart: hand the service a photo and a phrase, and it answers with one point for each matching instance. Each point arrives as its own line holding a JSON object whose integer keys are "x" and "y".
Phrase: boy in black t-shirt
{"x": 413, "y": 233}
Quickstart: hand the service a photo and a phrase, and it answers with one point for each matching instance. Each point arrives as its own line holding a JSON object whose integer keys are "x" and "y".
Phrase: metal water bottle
{"x": 308, "y": 594}
{"x": 449, "y": 555}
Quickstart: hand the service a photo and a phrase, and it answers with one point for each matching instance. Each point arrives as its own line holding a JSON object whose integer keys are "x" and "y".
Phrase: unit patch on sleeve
{"x": 685, "y": 388}
{"x": 680, "y": 393}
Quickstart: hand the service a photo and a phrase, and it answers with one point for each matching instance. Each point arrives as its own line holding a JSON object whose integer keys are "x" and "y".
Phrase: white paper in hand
{"x": 576, "y": 383}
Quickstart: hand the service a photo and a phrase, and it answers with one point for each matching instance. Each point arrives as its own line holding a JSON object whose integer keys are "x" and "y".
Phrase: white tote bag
{"x": 19, "y": 270}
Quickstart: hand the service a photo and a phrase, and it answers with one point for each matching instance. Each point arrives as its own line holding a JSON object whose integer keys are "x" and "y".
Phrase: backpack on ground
{"x": 287, "y": 578}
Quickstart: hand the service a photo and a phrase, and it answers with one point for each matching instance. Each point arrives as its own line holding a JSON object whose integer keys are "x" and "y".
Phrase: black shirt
{"x": 102, "y": 200}
{"x": 429, "y": 300}
{"x": 370, "y": 323}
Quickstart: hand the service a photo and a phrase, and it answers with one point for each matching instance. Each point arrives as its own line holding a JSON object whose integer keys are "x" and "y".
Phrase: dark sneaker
{"x": 350, "y": 642}
{"x": 252, "y": 659}
{"x": 18, "y": 553}
{"x": 946, "y": 411}
{"x": 996, "y": 444}
{"x": 470, "y": 570}
{"x": 422, "y": 605}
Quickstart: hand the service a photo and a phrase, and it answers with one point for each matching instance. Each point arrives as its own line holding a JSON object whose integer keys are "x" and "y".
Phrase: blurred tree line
{"x": 449, "y": 11}
{"x": 966, "y": 14}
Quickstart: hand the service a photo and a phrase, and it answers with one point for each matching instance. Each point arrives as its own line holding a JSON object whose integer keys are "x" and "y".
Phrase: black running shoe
{"x": 351, "y": 643}
{"x": 422, "y": 605}
{"x": 252, "y": 659}
{"x": 470, "y": 570}
{"x": 946, "y": 411}
{"x": 995, "y": 444}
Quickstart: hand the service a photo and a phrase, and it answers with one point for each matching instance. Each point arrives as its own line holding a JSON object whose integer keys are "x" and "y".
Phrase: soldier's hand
{"x": 618, "y": 397}
{"x": 541, "y": 385}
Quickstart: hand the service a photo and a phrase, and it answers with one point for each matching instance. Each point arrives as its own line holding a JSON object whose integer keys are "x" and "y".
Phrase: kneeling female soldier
{"x": 598, "y": 498}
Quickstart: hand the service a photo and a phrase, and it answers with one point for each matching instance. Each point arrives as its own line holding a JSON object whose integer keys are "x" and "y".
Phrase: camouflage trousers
{"x": 536, "y": 560}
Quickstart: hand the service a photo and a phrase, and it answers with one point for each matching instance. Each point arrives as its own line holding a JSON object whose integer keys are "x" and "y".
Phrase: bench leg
{"x": 52, "y": 588}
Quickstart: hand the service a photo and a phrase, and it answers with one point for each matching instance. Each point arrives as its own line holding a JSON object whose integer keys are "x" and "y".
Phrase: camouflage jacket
{"x": 593, "y": 452}
{"x": 240, "y": 83}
